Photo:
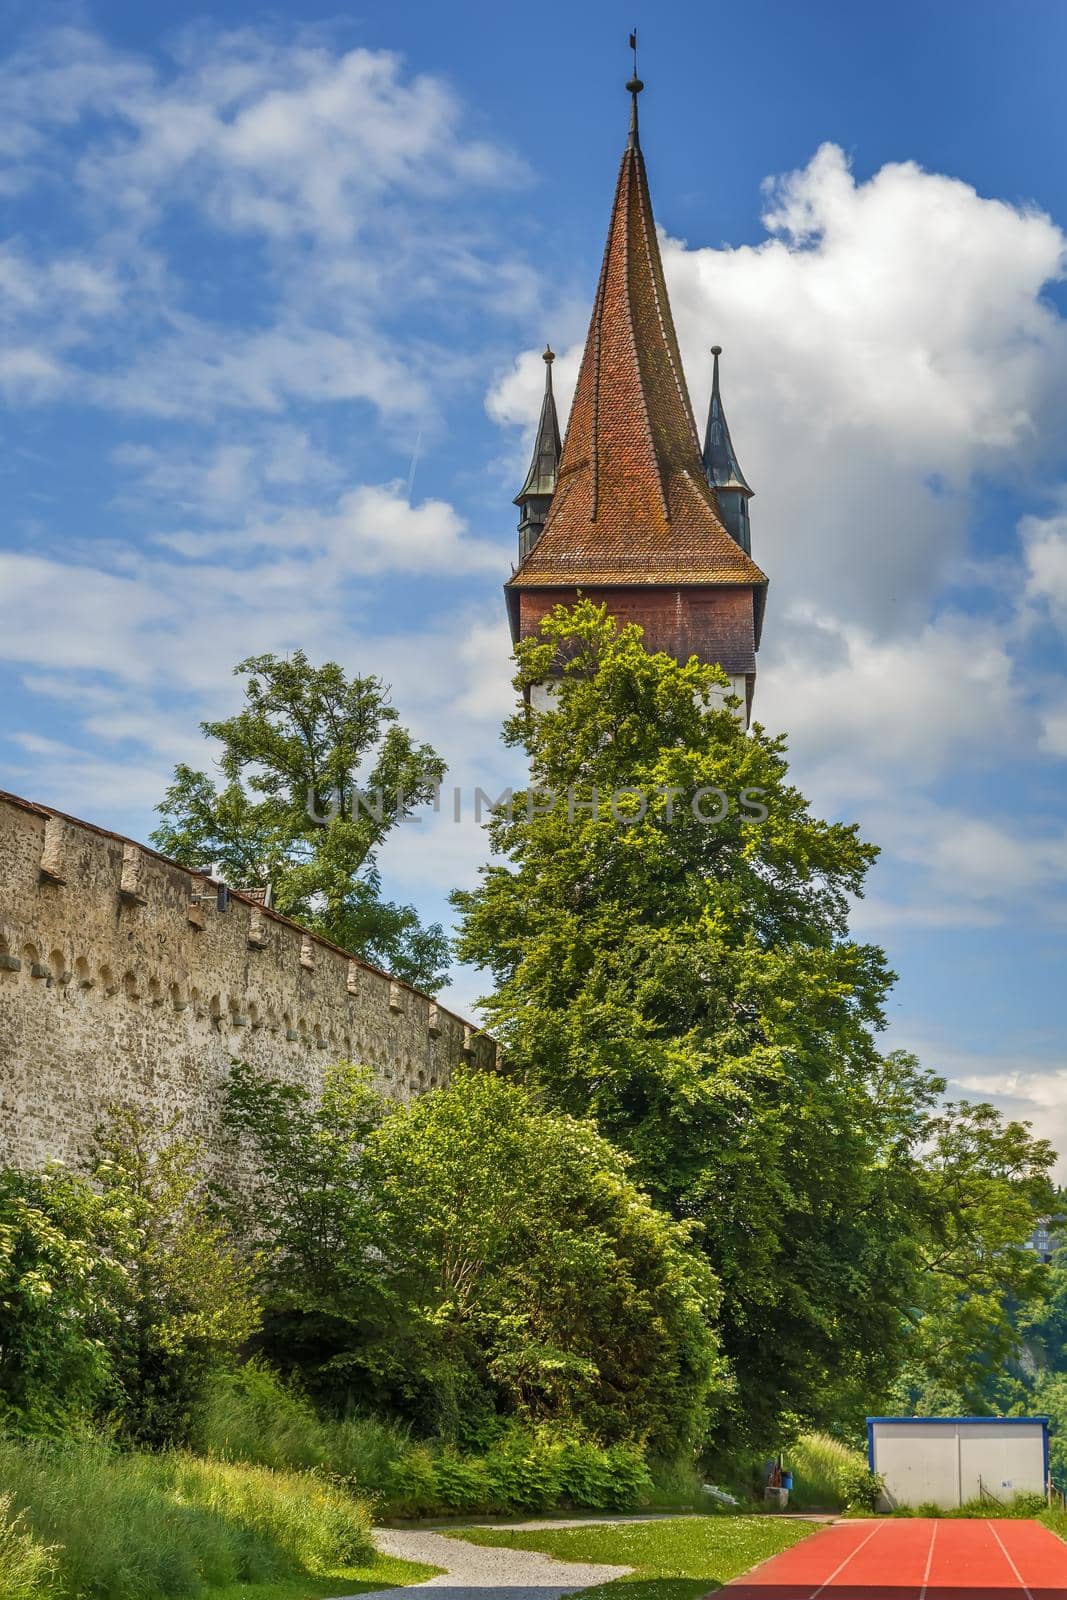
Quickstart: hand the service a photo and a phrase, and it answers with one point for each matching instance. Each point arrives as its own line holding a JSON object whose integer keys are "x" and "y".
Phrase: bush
{"x": 471, "y": 1259}
{"x": 57, "y": 1302}
{"x": 138, "y": 1527}
{"x": 860, "y": 1487}
{"x": 26, "y": 1567}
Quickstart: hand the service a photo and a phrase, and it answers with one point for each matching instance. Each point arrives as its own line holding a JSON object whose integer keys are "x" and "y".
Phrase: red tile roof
{"x": 632, "y": 504}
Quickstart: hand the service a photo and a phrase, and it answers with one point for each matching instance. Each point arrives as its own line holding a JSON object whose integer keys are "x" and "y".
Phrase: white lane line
{"x": 929, "y": 1565}
{"x": 815, "y": 1593}
{"x": 1011, "y": 1563}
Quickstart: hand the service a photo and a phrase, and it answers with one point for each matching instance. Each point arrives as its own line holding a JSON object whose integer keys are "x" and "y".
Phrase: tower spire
{"x": 633, "y": 521}
{"x": 536, "y": 493}
{"x": 722, "y": 468}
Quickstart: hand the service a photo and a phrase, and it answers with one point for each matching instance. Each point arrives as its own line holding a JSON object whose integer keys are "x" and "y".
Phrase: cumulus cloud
{"x": 886, "y": 344}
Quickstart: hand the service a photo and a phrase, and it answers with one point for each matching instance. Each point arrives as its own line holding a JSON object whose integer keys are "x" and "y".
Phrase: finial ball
{"x": 549, "y": 355}
{"x": 716, "y": 349}
{"x": 635, "y": 86}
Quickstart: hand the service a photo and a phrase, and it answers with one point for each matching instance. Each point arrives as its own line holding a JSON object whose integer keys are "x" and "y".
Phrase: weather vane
{"x": 635, "y": 86}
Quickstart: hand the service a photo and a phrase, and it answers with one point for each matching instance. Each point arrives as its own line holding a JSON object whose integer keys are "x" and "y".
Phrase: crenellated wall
{"x": 122, "y": 979}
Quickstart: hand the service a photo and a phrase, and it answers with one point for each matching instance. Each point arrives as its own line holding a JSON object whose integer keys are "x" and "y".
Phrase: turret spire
{"x": 536, "y": 493}
{"x": 721, "y": 466}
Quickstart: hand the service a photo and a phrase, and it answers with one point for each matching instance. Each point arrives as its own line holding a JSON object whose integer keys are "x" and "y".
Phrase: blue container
{"x": 787, "y": 1480}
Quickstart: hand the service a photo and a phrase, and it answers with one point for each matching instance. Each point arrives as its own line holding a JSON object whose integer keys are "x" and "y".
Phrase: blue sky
{"x": 272, "y": 290}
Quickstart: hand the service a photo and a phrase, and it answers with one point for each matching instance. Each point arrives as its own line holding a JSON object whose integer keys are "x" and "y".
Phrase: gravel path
{"x": 474, "y": 1569}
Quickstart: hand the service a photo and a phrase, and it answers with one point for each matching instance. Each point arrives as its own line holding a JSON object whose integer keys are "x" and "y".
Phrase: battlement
{"x": 126, "y": 977}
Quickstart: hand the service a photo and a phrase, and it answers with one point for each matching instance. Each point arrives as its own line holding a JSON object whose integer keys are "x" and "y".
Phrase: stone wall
{"x": 124, "y": 978}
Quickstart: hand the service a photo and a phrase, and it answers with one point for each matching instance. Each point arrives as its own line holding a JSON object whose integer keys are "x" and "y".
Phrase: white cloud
{"x": 889, "y": 342}
{"x": 1045, "y": 546}
{"x": 915, "y": 706}
{"x": 359, "y": 177}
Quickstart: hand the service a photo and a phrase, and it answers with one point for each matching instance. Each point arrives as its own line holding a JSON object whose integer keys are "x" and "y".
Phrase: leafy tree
{"x": 183, "y": 1298}
{"x": 314, "y": 1223}
{"x": 57, "y": 1301}
{"x": 692, "y": 986}
{"x": 536, "y": 1272}
{"x": 982, "y": 1183}
{"x": 470, "y": 1257}
{"x": 306, "y": 742}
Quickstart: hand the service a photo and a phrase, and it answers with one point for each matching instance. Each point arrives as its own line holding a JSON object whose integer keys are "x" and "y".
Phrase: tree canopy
{"x": 472, "y": 1257}
{"x": 681, "y": 970}
{"x": 307, "y": 744}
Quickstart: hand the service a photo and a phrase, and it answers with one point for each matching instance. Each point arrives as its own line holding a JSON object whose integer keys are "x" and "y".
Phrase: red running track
{"x": 915, "y": 1558}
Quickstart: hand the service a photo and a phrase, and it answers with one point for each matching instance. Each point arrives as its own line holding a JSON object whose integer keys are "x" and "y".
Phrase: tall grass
{"x": 27, "y": 1567}
{"x": 250, "y": 1415}
{"x": 137, "y": 1527}
{"x": 818, "y": 1464}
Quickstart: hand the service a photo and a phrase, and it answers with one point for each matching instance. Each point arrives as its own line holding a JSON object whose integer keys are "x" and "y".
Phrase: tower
{"x": 633, "y": 518}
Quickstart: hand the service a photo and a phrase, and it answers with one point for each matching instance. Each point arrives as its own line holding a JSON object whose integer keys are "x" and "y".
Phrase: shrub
{"x": 185, "y": 1299}
{"x": 57, "y": 1293}
{"x": 27, "y": 1569}
{"x": 860, "y": 1487}
{"x": 603, "y": 1479}
{"x": 471, "y": 1259}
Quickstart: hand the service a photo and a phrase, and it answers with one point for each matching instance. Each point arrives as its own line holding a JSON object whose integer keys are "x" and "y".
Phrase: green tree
{"x": 58, "y": 1292}
{"x": 472, "y": 1257}
{"x": 307, "y": 742}
{"x": 183, "y": 1297}
{"x": 313, "y": 1225}
{"x": 982, "y": 1184}
{"x": 692, "y": 985}
{"x": 538, "y": 1276}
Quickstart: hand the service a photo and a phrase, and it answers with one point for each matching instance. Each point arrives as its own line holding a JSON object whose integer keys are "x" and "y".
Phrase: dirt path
{"x": 473, "y": 1569}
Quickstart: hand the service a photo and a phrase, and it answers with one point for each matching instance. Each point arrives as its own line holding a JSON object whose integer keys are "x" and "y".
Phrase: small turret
{"x": 721, "y": 467}
{"x": 535, "y": 496}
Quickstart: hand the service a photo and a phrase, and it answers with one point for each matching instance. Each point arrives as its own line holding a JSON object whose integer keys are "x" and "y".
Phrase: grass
{"x": 1057, "y": 1521}
{"x": 678, "y": 1558}
{"x": 26, "y": 1566}
{"x": 252, "y": 1415}
{"x": 86, "y": 1521}
{"x": 818, "y": 1464}
{"x": 384, "y": 1572}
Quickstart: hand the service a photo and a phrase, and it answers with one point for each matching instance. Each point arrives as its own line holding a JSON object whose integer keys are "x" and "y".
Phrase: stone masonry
{"x": 127, "y": 978}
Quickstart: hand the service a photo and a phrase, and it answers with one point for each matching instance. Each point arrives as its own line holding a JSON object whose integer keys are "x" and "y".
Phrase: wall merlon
{"x": 258, "y": 936}
{"x": 126, "y": 982}
{"x": 134, "y": 870}
{"x": 53, "y": 854}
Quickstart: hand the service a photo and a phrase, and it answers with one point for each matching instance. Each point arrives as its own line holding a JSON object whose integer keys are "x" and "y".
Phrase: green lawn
{"x": 384, "y": 1572}
{"x": 675, "y": 1559}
